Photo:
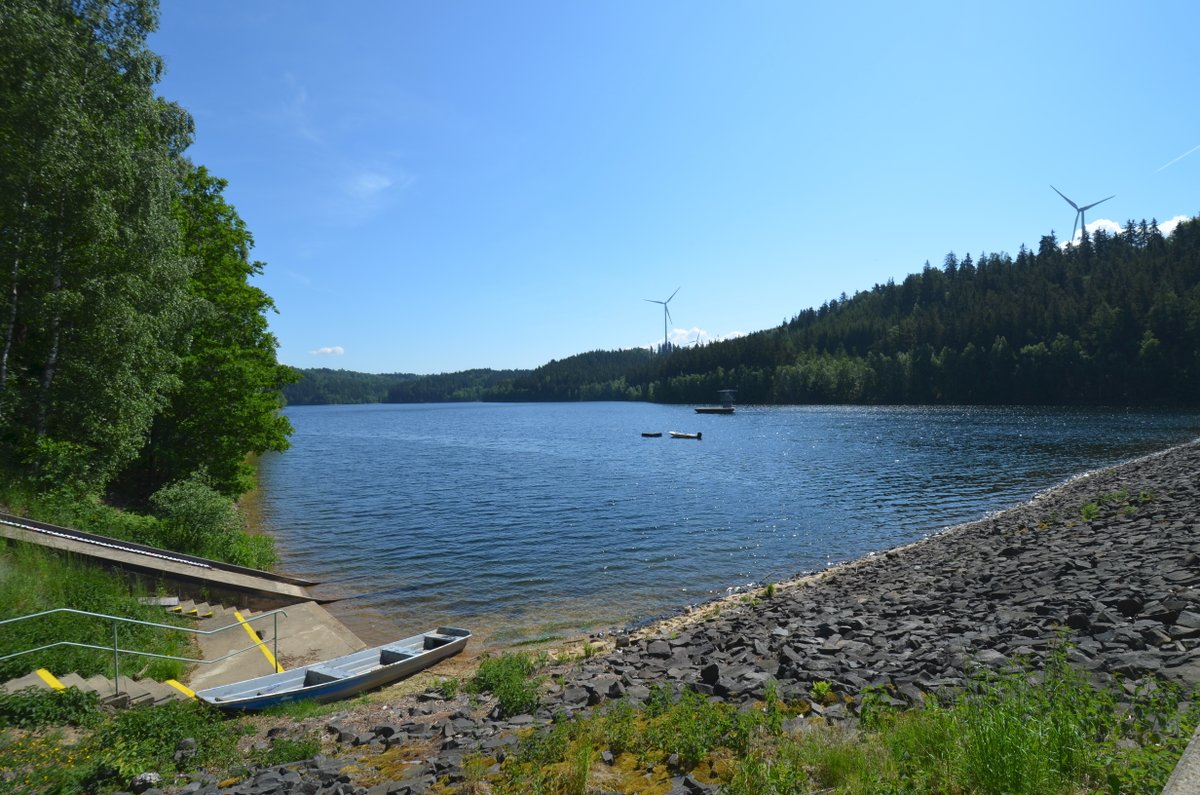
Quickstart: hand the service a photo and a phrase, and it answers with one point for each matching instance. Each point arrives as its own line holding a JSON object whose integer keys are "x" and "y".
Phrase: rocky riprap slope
{"x": 1122, "y": 588}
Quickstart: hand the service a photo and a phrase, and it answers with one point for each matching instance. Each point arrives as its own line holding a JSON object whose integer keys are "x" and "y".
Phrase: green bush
{"x": 194, "y": 515}
{"x": 510, "y": 678}
{"x": 693, "y": 727}
{"x": 197, "y": 519}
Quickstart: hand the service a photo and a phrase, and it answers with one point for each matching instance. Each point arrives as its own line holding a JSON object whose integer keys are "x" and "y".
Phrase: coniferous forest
{"x": 134, "y": 352}
{"x": 1114, "y": 320}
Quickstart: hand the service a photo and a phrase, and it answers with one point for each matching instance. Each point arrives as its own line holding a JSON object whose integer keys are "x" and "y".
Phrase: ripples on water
{"x": 522, "y": 519}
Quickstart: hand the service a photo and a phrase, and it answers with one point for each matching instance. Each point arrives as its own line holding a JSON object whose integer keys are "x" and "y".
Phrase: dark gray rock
{"x": 144, "y": 782}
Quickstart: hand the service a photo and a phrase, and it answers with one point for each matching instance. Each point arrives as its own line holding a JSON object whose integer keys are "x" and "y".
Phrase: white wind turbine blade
{"x": 1093, "y": 204}
{"x": 1068, "y": 201}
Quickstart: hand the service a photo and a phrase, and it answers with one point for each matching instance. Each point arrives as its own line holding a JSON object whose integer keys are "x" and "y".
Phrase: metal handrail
{"x": 116, "y": 649}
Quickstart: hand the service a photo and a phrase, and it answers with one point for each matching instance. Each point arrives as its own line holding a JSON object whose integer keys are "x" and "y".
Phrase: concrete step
{"x": 30, "y": 679}
{"x": 161, "y": 693}
{"x": 139, "y": 692}
{"x": 133, "y": 692}
{"x": 76, "y": 681}
{"x": 163, "y": 601}
{"x": 189, "y": 608}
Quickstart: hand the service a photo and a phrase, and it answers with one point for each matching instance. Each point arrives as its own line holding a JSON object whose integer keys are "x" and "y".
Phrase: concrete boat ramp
{"x": 272, "y": 621}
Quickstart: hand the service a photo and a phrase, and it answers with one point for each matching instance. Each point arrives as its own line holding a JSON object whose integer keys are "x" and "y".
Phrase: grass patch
{"x": 300, "y": 710}
{"x": 448, "y": 687}
{"x": 33, "y": 708}
{"x": 284, "y": 750}
{"x": 33, "y": 580}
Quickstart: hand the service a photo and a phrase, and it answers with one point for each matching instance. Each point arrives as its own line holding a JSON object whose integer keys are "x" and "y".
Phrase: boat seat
{"x": 388, "y": 656}
{"x": 434, "y": 641}
{"x": 317, "y": 675}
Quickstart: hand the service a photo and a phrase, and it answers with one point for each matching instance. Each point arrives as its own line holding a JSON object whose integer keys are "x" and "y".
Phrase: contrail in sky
{"x": 1176, "y": 160}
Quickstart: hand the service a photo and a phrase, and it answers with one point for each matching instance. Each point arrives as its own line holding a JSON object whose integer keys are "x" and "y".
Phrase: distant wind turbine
{"x": 666, "y": 313}
{"x": 1080, "y": 222}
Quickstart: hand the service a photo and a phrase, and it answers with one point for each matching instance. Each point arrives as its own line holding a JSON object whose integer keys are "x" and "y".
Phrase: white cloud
{"x": 367, "y": 184}
{"x": 1114, "y": 228}
{"x": 1111, "y": 227}
{"x": 687, "y": 337}
{"x": 364, "y": 193}
{"x": 329, "y": 350}
{"x": 1168, "y": 226}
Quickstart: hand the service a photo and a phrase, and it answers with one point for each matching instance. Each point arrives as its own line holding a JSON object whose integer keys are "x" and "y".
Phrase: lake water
{"x": 520, "y": 520}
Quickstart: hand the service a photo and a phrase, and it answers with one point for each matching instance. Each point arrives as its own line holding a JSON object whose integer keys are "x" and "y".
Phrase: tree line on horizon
{"x": 1112, "y": 320}
{"x": 134, "y": 352}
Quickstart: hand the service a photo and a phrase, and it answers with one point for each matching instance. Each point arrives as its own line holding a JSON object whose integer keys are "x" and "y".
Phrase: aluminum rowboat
{"x": 340, "y": 677}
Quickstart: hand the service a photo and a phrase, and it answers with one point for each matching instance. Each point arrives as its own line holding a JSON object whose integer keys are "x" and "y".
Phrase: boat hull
{"x": 340, "y": 677}
{"x": 714, "y": 410}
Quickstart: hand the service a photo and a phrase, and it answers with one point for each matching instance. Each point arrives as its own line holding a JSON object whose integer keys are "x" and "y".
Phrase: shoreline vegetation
{"x": 1053, "y": 646}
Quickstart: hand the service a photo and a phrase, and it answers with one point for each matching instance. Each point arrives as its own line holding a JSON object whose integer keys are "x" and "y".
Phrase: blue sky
{"x": 436, "y": 186}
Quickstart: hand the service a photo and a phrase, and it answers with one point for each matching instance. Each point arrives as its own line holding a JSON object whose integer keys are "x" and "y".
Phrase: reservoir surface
{"x": 525, "y": 520}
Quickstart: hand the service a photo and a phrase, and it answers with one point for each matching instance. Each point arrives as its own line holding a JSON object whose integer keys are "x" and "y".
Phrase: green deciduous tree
{"x": 134, "y": 352}
{"x": 95, "y": 283}
{"x": 226, "y": 403}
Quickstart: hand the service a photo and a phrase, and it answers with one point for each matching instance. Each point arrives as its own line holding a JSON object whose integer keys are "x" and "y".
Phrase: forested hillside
{"x": 1114, "y": 320}
{"x": 134, "y": 353}
{"x": 321, "y": 385}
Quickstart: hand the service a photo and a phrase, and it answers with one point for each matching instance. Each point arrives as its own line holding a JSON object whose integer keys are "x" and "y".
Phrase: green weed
{"x": 821, "y": 691}
{"x": 284, "y": 750}
{"x": 448, "y": 687}
{"x": 510, "y": 678}
{"x": 299, "y": 710}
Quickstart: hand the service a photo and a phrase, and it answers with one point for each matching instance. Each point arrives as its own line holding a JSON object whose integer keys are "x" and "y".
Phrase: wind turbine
{"x": 1080, "y": 222}
{"x": 666, "y": 314}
